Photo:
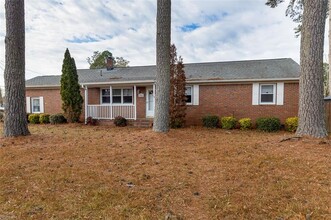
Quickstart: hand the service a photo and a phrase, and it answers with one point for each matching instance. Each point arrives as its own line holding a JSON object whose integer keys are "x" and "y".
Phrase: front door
{"x": 149, "y": 102}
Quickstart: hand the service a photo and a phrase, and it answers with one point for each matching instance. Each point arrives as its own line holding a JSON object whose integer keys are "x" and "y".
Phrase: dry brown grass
{"x": 83, "y": 172}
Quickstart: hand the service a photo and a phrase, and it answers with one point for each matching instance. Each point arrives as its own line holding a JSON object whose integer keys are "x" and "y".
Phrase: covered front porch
{"x": 126, "y": 100}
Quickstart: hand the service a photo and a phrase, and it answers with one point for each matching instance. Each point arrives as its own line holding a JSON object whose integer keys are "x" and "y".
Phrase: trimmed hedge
{"x": 228, "y": 122}
{"x": 34, "y": 118}
{"x": 44, "y": 118}
{"x": 245, "y": 123}
{"x": 211, "y": 121}
{"x": 57, "y": 119}
{"x": 120, "y": 121}
{"x": 291, "y": 124}
{"x": 269, "y": 124}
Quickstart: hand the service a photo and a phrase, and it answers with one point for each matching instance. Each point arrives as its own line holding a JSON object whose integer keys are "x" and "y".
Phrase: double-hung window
{"x": 267, "y": 93}
{"x": 117, "y": 96}
{"x": 105, "y": 96}
{"x": 188, "y": 94}
{"x": 35, "y": 104}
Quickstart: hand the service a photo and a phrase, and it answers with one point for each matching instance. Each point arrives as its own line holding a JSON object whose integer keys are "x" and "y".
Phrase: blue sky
{"x": 203, "y": 31}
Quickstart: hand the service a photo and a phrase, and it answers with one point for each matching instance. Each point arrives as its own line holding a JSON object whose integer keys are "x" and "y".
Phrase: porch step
{"x": 143, "y": 123}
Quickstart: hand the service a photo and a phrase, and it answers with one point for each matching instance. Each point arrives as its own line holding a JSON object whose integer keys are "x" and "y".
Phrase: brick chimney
{"x": 110, "y": 63}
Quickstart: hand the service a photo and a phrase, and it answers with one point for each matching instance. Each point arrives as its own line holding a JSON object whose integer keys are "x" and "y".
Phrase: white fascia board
{"x": 43, "y": 86}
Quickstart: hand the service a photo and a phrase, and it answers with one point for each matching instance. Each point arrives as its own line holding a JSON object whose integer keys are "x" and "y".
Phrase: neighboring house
{"x": 254, "y": 88}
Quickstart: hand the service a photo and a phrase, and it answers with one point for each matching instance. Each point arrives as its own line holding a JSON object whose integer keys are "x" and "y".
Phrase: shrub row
{"x": 46, "y": 119}
{"x": 267, "y": 124}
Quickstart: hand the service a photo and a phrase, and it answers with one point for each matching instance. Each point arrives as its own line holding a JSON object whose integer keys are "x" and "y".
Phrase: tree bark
{"x": 311, "y": 103}
{"x": 15, "y": 123}
{"x": 329, "y": 78}
{"x": 163, "y": 32}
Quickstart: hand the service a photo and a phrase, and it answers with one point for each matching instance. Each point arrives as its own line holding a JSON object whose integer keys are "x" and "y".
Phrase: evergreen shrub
{"x": 120, "y": 121}
{"x": 57, "y": 119}
{"x": 268, "y": 124}
{"x": 211, "y": 121}
{"x": 228, "y": 122}
{"x": 291, "y": 124}
{"x": 44, "y": 118}
{"x": 245, "y": 123}
{"x": 34, "y": 118}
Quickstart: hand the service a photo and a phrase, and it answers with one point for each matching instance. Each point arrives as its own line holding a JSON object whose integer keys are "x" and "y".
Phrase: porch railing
{"x": 111, "y": 111}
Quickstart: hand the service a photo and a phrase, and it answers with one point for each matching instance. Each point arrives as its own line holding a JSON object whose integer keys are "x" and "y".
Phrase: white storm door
{"x": 149, "y": 102}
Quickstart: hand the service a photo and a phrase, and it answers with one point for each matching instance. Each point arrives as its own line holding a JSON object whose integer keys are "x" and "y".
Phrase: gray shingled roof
{"x": 285, "y": 68}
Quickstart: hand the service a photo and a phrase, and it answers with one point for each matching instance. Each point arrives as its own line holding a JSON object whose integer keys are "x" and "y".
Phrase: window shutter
{"x": 41, "y": 104}
{"x": 255, "y": 94}
{"x": 280, "y": 93}
{"x": 195, "y": 94}
{"x": 28, "y": 105}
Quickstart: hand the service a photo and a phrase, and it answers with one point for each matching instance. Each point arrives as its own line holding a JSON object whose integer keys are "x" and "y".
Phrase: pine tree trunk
{"x": 311, "y": 103}
{"x": 329, "y": 84}
{"x": 15, "y": 123}
{"x": 163, "y": 31}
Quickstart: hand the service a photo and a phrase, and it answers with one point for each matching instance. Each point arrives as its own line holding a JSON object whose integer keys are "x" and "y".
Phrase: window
{"x": 267, "y": 93}
{"x": 188, "y": 94}
{"x": 127, "y": 96}
{"x": 117, "y": 96}
{"x": 105, "y": 96}
{"x": 35, "y": 105}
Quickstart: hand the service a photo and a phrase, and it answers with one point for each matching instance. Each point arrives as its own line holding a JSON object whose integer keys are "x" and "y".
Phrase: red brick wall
{"x": 236, "y": 100}
{"x": 222, "y": 100}
{"x": 141, "y": 103}
{"x": 52, "y": 99}
{"x": 93, "y": 96}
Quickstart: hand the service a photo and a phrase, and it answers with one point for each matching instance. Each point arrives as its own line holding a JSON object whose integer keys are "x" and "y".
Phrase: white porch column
{"x": 111, "y": 102}
{"x": 135, "y": 101}
{"x": 86, "y": 102}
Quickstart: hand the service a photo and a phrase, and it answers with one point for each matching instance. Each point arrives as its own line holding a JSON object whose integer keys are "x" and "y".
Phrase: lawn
{"x": 87, "y": 172}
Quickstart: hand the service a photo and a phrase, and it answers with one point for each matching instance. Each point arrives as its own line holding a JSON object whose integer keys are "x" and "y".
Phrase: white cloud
{"x": 228, "y": 30}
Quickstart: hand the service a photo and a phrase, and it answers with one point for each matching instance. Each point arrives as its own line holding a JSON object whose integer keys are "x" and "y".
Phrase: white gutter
{"x": 118, "y": 82}
{"x": 242, "y": 80}
{"x": 43, "y": 86}
{"x": 192, "y": 81}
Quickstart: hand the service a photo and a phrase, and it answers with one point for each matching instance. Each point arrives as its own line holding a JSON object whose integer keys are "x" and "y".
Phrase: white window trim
{"x": 192, "y": 97}
{"x": 36, "y": 98}
{"x": 274, "y": 93}
{"x": 122, "y": 98}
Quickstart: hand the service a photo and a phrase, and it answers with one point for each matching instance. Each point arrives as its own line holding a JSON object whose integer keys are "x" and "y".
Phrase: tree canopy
{"x": 294, "y": 10}
{"x": 97, "y": 60}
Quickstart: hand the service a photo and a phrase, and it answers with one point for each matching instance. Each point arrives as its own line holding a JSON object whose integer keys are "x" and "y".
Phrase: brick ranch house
{"x": 254, "y": 88}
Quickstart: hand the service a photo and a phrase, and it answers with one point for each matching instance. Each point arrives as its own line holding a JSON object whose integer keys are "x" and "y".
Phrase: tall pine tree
{"x": 70, "y": 90}
{"x": 15, "y": 123}
{"x": 177, "y": 90}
